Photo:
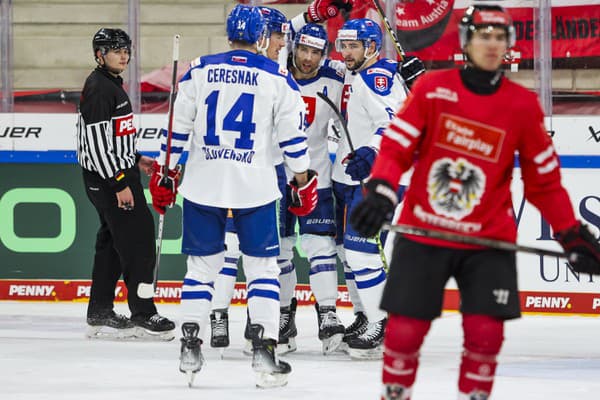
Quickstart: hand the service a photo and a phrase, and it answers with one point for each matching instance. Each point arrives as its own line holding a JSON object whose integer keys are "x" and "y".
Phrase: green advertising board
{"x": 48, "y": 226}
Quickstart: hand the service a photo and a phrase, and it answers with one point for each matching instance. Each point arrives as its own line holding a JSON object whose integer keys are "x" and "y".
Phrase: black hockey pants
{"x": 124, "y": 245}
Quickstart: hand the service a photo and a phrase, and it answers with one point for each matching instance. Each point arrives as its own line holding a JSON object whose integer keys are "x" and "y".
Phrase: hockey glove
{"x": 304, "y": 199}
{"x": 321, "y": 10}
{"x": 582, "y": 248}
{"x": 360, "y": 162}
{"x": 410, "y": 68}
{"x": 163, "y": 187}
{"x": 376, "y": 208}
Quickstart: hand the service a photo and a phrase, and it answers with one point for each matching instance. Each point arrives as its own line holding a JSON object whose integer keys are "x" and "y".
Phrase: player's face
{"x": 307, "y": 59}
{"x": 353, "y": 53}
{"x": 115, "y": 61}
{"x": 487, "y": 48}
{"x": 276, "y": 43}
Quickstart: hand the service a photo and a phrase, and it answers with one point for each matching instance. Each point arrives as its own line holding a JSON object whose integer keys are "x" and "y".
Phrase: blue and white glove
{"x": 359, "y": 163}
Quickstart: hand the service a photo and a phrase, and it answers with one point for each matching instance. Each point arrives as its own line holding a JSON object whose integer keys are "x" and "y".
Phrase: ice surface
{"x": 44, "y": 355}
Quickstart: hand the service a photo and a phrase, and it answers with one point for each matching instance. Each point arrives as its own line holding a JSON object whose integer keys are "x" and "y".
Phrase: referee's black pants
{"x": 125, "y": 245}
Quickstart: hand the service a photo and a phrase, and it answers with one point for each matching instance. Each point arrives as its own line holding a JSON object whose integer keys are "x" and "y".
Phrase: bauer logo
{"x": 18, "y": 132}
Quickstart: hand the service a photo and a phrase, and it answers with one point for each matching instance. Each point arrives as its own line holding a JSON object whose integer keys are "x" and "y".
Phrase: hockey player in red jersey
{"x": 461, "y": 129}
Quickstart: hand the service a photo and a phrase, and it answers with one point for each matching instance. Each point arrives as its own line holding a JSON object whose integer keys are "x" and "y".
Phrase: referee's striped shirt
{"x": 106, "y": 135}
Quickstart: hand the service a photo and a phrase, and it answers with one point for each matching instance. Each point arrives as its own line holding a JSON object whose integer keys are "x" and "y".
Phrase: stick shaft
{"x": 172, "y": 94}
{"x": 458, "y": 238}
{"x": 390, "y": 30}
{"x": 344, "y": 123}
{"x": 172, "y": 100}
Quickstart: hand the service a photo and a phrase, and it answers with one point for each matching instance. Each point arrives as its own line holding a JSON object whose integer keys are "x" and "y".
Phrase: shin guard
{"x": 483, "y": 339}
{"x": 403, "y": 339}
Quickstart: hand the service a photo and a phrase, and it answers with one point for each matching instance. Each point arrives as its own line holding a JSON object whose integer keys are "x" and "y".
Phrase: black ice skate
{"x": 270, "y": 371}
{"x": 287, "y": 328}
{"x": 331, "y": 330}
{"x": 154, "y": 327}
{"x": 357, "y": 327}
{"x": 476, "y": 395}
{"x": 248, "y": 336}
{"x": 368, "y": 345}
{"x": 395, "y": 392}
{"x": 190, "y": 358}
{"x": 109, "y": 325}
{"x": 219, "y": 329}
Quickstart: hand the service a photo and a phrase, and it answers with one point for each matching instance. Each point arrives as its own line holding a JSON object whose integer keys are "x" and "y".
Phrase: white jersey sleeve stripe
{"x": 551, "y": 166}
{"x": 544, "y": 155}
{"x": 398, "y": 138}
{"x": 401, "y": 124}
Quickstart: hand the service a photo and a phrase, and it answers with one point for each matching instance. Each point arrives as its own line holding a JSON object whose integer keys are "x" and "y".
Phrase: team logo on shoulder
{"x": 455, "y": 187}
{"x": 381, "y": 83}
{"x": 283, "y": 71}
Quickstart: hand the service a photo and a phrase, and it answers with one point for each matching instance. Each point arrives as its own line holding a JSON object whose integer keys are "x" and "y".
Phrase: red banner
{"x": 429, "y": 28}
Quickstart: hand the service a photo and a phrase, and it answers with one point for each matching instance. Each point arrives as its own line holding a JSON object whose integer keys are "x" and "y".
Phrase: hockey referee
{"x": 111, "y": 174}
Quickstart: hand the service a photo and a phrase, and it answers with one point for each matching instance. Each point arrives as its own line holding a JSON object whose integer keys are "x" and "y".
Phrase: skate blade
{"x": 343, "y": 347}
{"x": 190, "y": 369}
{"x": 266, "y": 380}
{"x": 147, "y": 335}
{"x": 284, "y": 348}
{"x": 248, "y": 348}
{"x": 332, "y": 343}
{"x": 107, "y": 333}
{"x": 366, "y": 354}
{"x": 190, "y": 377}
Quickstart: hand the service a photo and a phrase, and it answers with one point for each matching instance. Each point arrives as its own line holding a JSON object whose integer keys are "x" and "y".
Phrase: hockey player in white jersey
{"x": 278, "y": 30}
{"x": 372, "y": 91}
{"x": 228, "y": 106}
{"x": 317, "y": 230}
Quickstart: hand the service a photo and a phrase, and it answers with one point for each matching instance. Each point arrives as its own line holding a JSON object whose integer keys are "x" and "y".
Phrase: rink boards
{"x": 47, "y": 226}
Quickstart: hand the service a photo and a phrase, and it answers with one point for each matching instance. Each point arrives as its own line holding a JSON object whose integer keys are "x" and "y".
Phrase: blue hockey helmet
{"x": 246, "y": 24}
{"x": 312, "y": 35}
{"x": 363, "y": 29}
{"x": 275, "y": 20}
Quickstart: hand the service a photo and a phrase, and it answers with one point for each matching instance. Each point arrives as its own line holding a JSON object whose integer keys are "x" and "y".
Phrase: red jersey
{"x": 463, "y": 146}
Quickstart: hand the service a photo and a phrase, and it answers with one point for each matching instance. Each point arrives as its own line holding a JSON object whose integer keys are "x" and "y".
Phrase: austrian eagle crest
{"x": 455, "y": 187}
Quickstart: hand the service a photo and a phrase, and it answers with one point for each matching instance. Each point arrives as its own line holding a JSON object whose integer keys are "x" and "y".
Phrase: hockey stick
{"x": 344, "y": 124}
{"x": 390, "y": 31}
{"x": 458, "y": 238}
{"x": 165, "y": 179}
